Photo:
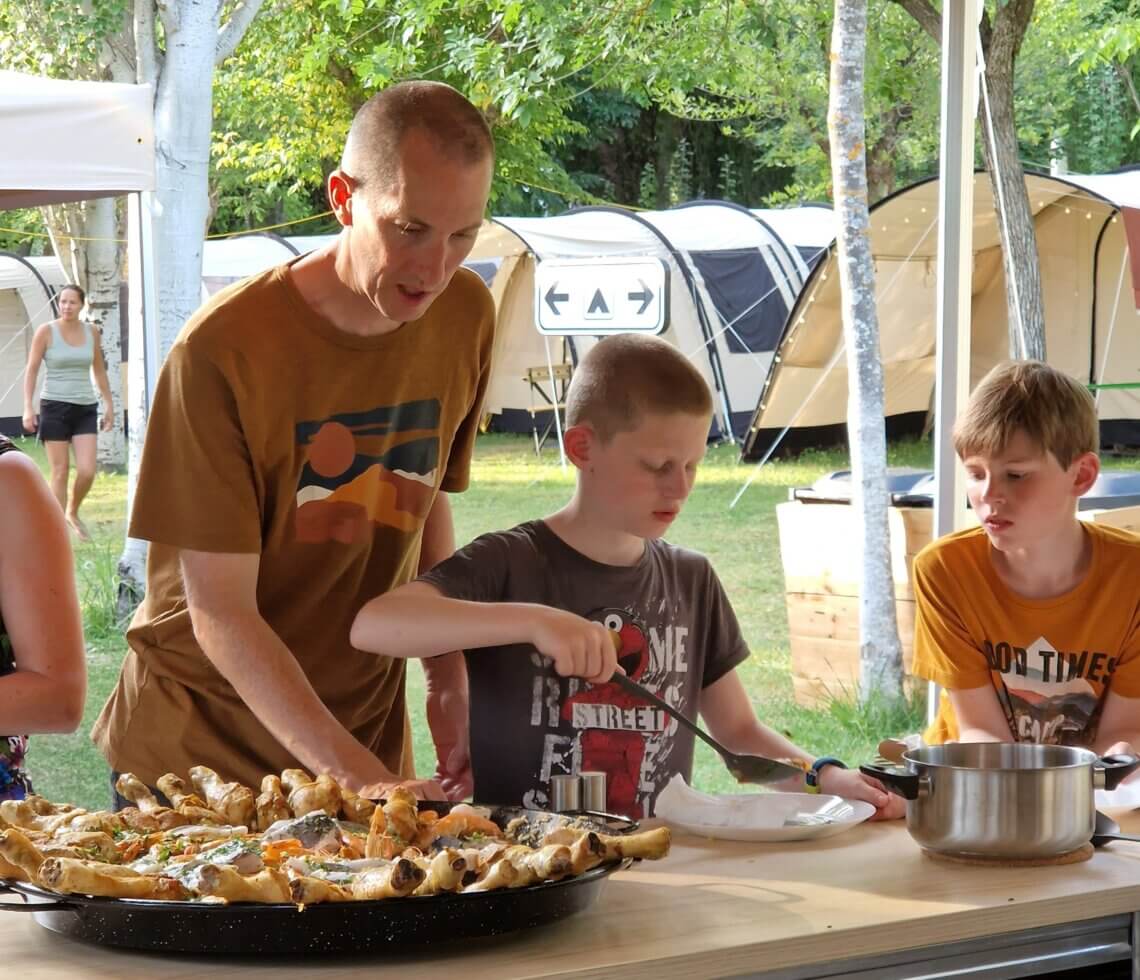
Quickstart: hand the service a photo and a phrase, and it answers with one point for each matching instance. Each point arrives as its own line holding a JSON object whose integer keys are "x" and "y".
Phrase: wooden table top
{"x": 711, "y": 908}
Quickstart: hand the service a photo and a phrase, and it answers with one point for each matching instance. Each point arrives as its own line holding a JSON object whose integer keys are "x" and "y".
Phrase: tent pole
{"x": 955, "y": 261}
{"x": 143, "y": 307}
{"x": 554, "y": 400}
{"x": 1111, "y": 324}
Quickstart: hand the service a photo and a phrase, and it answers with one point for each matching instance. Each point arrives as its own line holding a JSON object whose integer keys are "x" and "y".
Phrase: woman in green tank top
{"x": 70, "y": 351}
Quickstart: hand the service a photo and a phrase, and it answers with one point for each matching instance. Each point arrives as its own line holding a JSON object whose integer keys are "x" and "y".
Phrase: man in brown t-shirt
{"x": 303, "y": 427}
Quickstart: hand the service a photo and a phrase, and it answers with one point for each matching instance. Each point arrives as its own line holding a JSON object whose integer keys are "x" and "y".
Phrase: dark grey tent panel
{"x": 735, "y": 278}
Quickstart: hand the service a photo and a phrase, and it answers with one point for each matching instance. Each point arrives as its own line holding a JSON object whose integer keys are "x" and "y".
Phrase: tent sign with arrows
{"x": 600, "y": 296}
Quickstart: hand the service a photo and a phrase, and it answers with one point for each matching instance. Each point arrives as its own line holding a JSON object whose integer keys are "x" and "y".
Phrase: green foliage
{"x": 58, "y": 38}
{"x": 27, "y": 234}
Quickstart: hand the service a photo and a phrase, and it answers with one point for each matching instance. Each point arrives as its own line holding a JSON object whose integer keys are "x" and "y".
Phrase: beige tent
{"x": 1092, "y": 322}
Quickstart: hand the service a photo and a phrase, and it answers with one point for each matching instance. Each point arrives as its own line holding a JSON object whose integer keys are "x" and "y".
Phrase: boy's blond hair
{"x": 1056, "y": 412}
{"x": 627, "y": 375}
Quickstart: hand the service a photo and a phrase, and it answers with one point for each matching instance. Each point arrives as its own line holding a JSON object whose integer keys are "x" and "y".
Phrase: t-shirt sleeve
{"x": 943, "y": 649}
{"x": 1126, "y": 676}
{"x": 196, "y": 488}
{"x": 725, "y": 647}
{"x": 458, "y": 473}
{"x": 478, "y": 572}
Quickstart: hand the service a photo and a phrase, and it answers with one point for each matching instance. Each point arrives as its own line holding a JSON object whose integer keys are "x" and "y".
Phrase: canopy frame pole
{"x": 955, "y": 262}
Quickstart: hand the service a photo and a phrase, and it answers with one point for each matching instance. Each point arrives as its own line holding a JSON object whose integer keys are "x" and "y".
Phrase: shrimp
{"x": 463, "y": 824}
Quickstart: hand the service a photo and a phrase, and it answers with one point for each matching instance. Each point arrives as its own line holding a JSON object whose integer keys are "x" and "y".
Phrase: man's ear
{"x": 579, "y": 442}
{"x": 1086, "y": 468}
{"x": 340, "y": 197}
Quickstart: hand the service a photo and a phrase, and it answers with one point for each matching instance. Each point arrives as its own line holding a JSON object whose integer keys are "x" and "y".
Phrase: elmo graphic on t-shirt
{"x": 614, "y": 724}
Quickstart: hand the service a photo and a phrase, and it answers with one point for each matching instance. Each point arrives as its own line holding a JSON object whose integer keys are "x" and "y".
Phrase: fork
{"x": 746, "y": 768}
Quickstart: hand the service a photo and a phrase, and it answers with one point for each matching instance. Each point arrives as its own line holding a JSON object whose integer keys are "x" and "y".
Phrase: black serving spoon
{"x": 746, "y": 768}
{"x": 1107, "y": 830}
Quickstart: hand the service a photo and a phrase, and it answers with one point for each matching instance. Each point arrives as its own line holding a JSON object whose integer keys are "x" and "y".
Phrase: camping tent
{"x": 41, "y": 122}
{"x": 1092, "y": 328}
{"x": 732, "y": 278}
{"x": 27, "y": 290}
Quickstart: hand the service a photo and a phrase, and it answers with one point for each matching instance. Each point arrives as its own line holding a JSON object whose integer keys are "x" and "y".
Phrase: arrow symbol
{"x": 645, "y": 297}
{"x": 552, "y": 297}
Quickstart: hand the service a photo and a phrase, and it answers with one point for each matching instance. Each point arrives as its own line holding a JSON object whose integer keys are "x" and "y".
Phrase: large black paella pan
{"x": 343, "y": 927}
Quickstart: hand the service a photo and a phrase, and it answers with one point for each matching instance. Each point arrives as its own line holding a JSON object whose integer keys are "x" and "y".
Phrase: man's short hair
{"x": 626, "y": 376}
{"x": 1055, "y": 411}
{"x": 371, "y": 151}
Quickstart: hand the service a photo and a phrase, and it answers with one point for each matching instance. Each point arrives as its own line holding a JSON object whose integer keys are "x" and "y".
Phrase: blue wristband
{"x": 811, "y": 777}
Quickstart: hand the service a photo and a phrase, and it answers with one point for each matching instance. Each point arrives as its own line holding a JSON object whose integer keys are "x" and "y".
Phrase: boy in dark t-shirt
{"x": 537, "y": 607}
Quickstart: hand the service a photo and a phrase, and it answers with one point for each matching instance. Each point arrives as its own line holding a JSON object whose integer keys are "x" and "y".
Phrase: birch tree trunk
{"x": 1020, "y": 261}
{"x": 880, "y": 652}
{"x": 182, "y": 72}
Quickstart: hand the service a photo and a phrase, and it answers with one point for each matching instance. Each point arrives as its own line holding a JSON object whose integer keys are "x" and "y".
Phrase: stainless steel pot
{"x": 1002, "y": 799}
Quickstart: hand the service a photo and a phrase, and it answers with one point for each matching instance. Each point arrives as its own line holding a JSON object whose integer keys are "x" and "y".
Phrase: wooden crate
{"x": 820, "y": 548}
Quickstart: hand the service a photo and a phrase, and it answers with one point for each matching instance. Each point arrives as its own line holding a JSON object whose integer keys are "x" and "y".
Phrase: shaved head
{"x": 371, "y": 153}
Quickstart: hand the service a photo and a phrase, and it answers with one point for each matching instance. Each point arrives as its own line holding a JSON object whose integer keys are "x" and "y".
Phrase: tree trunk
{"x": 183, "y": 116}
{"x": 1018, "y": 234}
{"x": 1000, "y": 44}
{"x": 880, "y": 652}
{"x": 104, "y": 261}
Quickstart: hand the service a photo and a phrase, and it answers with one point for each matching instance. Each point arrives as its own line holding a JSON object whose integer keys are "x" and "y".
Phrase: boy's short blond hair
{"x": 625, "y": 376}
{"x": 1056, "y": 412}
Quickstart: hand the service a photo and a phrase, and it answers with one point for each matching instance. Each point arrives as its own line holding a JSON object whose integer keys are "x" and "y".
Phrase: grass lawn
{"x": 510, "y": 484}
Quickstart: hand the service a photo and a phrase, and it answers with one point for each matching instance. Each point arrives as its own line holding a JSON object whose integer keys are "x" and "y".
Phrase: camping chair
{"x": 541, "y": 403}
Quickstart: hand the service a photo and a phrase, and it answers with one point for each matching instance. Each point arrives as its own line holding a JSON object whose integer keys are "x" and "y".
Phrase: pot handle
{"x": 25, "y": 906}
{"x": 904, "y": 784}
{"x": 1116, "y": 767}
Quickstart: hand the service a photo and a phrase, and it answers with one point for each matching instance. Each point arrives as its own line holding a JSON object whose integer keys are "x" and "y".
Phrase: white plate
{"x": 1127, "y": 795}
{"x": 758, "y": 816}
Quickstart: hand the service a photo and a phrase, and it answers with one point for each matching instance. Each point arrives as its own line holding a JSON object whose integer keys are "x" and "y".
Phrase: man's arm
{"x": 446, "y": 699}
{"x": 221, "y": 592}
{"x": 979, "y": 715}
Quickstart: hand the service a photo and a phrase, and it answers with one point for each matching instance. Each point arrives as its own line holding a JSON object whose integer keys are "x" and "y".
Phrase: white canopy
{"x": 72, "y": 141}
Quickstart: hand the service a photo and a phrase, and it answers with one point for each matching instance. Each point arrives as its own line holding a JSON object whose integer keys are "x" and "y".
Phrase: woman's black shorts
{"x": 59, "y": 421}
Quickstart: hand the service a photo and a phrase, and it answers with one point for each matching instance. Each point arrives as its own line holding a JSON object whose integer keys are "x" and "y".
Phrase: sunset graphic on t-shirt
{"x": 367, "y": 469}
{"x": 1048, "y": 695}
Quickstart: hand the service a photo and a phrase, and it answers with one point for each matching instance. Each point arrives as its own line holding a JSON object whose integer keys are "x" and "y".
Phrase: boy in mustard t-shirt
{"x": 1031, "y": 622}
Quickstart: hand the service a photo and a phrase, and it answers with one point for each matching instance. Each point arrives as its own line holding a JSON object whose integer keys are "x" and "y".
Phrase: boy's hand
{"x": 577, "y": 647}
{"x": 853, "y": 785}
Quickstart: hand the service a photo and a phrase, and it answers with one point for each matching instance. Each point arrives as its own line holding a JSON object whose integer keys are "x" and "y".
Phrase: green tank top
{"x": 67, "y": 376}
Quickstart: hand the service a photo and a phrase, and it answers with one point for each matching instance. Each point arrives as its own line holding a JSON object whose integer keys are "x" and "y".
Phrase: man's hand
{"x": 447, "y": 717}
{"x": 424, "y": 789}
